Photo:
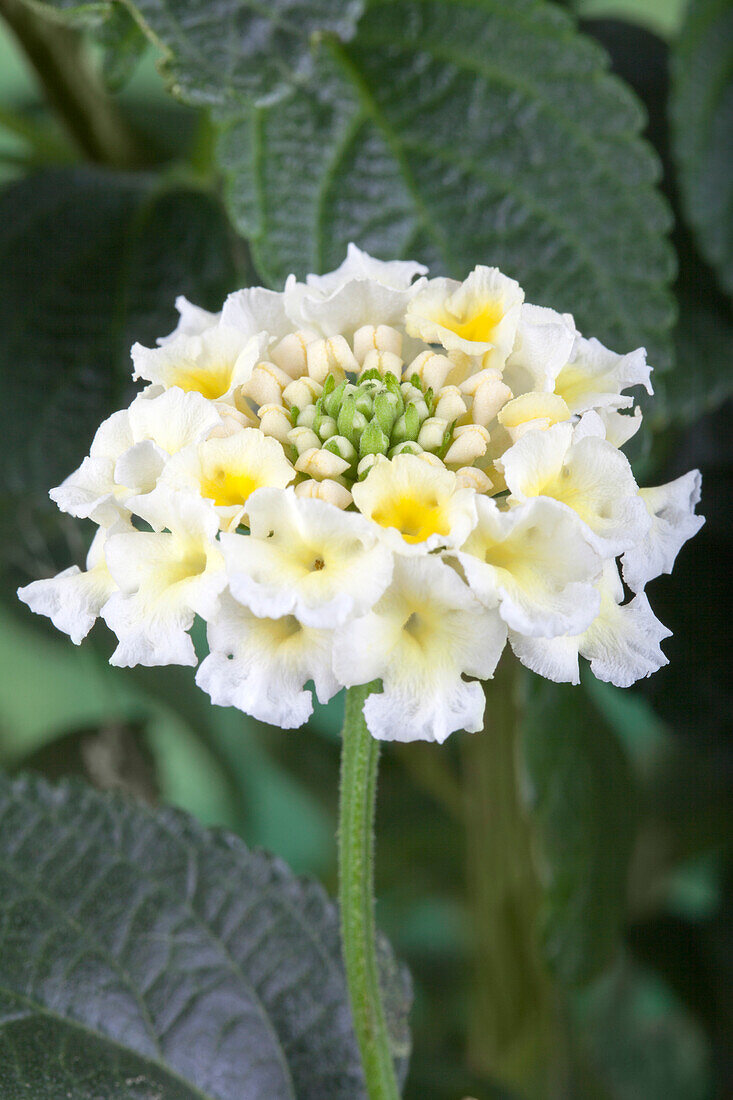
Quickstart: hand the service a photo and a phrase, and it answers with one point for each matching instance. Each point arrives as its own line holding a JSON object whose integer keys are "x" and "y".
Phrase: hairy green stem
{"x": 72, "y": 87}
{"x": 359, "y": 761}
{"x": 512, "y": 1033}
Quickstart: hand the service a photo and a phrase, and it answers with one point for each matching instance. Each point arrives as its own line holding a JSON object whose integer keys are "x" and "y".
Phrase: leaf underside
{"x": 143, "y": 957}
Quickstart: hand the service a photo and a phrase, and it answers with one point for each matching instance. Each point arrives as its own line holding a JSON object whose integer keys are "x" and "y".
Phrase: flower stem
{"x": 72, "y": 88}
{"x": 513, "y": 1031}
{"x": 359, "y": 761}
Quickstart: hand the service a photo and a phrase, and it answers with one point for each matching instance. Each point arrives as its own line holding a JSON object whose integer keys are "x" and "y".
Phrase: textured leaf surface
{"x": 217, "y": 51}
{"x": 702, "y": 116}
{"x": 583, "y": 801}
{"x": 142, "y": 956}
{"x": 90, "y": 261}
{"x": 465, "y": 132}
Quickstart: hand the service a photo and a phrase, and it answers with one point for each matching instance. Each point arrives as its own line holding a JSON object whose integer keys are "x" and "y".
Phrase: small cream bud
{"x": 469, "y": 443}
{"x": 490, "y": 396}
{"x": 232, "y": 421}
{"x": 449, "y": 404}
{"x": 383, "y": 361}
{"x": 290, "y": 354}
{"x": 471, "y": 384}
{"x": 470, "y": 477}
{"x": 329, "y": 490}
{"x": 320, "y": 464}
{"x": 330, "y": 356}
{"x": 266, "y": 384}
{"x": 304, "y": 391}
{"x": 382, "y": 338}
{"x": 431, "y": 368}
{"x": 432, "y": 460}
{"x": 432, "y": 432}
{"x": 303, "y": 439}
{"x": 275, "y": 421}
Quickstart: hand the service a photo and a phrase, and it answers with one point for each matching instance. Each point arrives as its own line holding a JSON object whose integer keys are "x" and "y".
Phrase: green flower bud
{"x": 373, "y": 440}
{"x": 332, "y": 400}
{"x": 339, "y": 445}
{"x": 407, "y": 426}
{"x": 364, "y": 402}
{"x": 345, "y": 418}
{"x": 327, "y": 427}
{"x": 386, "y": 411}
{"x": 406, "y": 448}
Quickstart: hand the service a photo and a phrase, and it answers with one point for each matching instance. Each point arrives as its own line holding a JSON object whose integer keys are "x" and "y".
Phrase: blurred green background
{"x": 655, "y": 1024}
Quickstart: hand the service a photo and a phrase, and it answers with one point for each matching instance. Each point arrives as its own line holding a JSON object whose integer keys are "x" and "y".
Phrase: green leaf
{"x": 639, "y": 1039}
{"x": 702, "y": 128}
{"x": 144, "y": 956}
{"x": 90, "y": 261}
{"x": 458, "y": 133}
{"x": 217, "y": 53}
{"x": 584, "y": 805}
{"x": 123, "y": 44}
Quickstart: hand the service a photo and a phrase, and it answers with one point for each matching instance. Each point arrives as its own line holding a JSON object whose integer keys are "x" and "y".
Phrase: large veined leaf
{"x": 217, "y": 51}
{"x": 702, "y": 117}
{"x": 90, "y": 261}
{"x": 583, "y": 802}
{"x": 465, "y": 132}
{"x": 142, "y": 956}
{"x": 452, "y": 131}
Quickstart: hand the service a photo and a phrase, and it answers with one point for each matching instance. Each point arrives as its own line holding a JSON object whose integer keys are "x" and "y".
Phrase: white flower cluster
{"x": 374, "y": 475}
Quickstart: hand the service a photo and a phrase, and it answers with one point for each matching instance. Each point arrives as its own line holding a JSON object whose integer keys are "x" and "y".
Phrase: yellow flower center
{"x": 228, "y": 487}
{"x": 479, "y": 325}
{"x": 415, "y": 519}
{"x": 213, "y": 382}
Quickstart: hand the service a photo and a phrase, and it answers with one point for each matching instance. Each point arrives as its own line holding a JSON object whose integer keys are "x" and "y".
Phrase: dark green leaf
{"x": 90, "y": 261}
{"x": 639, "y": 1039}
{"x": 583, "y": 802}
{"x": 123, "y": 44}
{"x": 702, "y": 127}
{"x": 461, "y": 133}
{"x": 143, "y": 956}
{"x": 218, "y": 51}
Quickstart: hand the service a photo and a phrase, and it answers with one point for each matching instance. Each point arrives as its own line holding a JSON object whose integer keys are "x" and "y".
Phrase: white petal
{"x": 227, "y": 470}
{"x": 213, "y": 364}
{"x": 397, "y": 274}
{"x": 672, "y": 510}
{"x": 140, "y": 467}
{"x": 193, "y": 320}
{"x": 543, "y": 345}
{"x": 422, "y": 636}
{"x": 478, "y": 316}
{"x": 256, "y": 310}
{"x": 358, "y": 302}
{"x": 306, "y": 558}
{"x": 261, "y": 665}
{"x": 554, "y": 658}
{"x": 591, "y": 476}
{"x": 92, "y": 493}
{"x": 418, "y": 506}
{"x": 536, "y": 562}
{"x": 165, "y": 579}
{"x": 73, "y": 599}
{"x": 622, "y": 645}
{"x": 173, "y": 419}
{"x": 595, "y": 377}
